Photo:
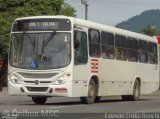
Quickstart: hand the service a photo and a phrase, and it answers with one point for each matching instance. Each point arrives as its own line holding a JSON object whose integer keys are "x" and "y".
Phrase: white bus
{"x": 64, "y": 56}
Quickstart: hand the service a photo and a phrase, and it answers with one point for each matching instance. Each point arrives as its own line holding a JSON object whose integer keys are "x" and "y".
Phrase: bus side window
{"x": 152, "y": 53}
{"x": 132, "y": 49}
{"x": 143, "y": 51}
{"x": 80, "y": 47}
{"x": 120, "y": 47}
{"x": 107, "y": 43}
{"x": 94, "y": 43}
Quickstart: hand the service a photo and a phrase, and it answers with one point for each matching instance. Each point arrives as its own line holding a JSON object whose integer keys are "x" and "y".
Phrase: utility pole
{"x": 86, "y": 8}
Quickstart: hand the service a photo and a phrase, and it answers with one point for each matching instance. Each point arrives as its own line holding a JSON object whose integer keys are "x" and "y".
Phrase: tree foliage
{"x": 150, "y": 30}
{"x": 12, "y": 9}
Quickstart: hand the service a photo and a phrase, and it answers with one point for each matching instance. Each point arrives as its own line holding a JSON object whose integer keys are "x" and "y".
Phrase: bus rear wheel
{"x": 39, "y": 100}
{"x": 91, "y": 94}
{"x": 136, "y": 93}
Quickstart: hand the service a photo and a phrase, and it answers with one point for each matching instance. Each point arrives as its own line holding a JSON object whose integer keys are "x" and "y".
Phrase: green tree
{"x": 150, "y": 30}
{"x": 12, "y": 9}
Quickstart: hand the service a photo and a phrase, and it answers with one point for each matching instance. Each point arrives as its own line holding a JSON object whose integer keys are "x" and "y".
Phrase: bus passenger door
{"x": 80, "y": 63}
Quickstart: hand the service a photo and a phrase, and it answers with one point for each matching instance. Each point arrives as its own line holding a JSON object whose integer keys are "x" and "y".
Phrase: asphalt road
{"x": 72, "y": 106}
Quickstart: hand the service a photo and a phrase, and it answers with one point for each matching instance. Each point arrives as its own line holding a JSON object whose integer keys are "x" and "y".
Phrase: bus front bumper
{"x": 64, "y": 90}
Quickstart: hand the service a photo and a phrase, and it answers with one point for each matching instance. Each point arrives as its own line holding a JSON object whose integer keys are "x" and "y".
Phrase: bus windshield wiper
{"x": 47, "y": 41}
{"x": 49, "y": 38}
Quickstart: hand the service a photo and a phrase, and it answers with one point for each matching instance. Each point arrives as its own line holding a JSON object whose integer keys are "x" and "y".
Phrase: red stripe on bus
{"x": 94, "y": 71}
{"x": 94, "y": 60}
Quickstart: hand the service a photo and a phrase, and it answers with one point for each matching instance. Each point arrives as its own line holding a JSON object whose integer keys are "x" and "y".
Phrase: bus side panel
{"x": 150, "y": 78}
{"x": 117, "y": 77}
{"x": 80, "y": 80}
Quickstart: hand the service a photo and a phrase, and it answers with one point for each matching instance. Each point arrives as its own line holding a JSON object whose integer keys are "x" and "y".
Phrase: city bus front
{"x": 40, "y": 58}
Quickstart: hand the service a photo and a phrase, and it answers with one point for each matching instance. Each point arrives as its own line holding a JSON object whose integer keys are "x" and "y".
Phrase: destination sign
{"x": 42, "y": 25}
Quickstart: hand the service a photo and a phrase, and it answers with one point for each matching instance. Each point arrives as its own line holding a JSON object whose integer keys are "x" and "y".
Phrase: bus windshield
{"x": 40, "y": 51}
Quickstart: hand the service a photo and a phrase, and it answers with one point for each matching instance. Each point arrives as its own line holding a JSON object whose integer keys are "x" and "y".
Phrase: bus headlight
{"x": 63, "y": 79}
{"x": 14, "y": 79}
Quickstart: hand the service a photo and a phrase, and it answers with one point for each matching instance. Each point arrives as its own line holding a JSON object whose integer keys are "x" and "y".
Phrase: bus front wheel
{"x": 39, "y": 100}
{"x": 91, "y": 94}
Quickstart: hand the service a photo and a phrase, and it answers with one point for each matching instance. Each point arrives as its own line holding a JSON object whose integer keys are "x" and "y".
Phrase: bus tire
{"x": 125, "y": 97}
{"x": 39, "y": 100}
{"x": 97, "y": 99}
{"x": 136, "y": 93}
{"x": 91, "y": 93}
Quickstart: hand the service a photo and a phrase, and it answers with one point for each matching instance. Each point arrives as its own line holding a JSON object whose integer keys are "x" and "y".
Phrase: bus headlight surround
{"x": 63, "y": 79}
{"x": 14, "y": 79}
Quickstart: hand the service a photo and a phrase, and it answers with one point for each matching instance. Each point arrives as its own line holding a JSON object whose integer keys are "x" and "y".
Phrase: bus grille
{"x": 37, "y": 89}
{"x": 37, "y": 75}
{"x": 42, "y": 82}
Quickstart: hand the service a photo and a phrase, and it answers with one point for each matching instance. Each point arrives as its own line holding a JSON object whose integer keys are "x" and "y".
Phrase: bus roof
{"x": 94, "y": 25}
{"x": 114, "y": 30}
{"x": 43, "y": 17}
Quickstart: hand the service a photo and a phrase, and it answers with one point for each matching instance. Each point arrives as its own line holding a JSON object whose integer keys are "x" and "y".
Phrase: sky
{"x": 111, "y": 12}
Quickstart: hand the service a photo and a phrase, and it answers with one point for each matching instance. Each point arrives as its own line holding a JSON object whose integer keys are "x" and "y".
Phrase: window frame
{"x": 120, "y": 47}
{"x": 149, "y": 53}
{"x": 143, "y": 50}
{"x": 132, "y": 46}
{"x": 94, "y": 53}
{"x": 86, "y": 42}
{"x": 109, "y": 45}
